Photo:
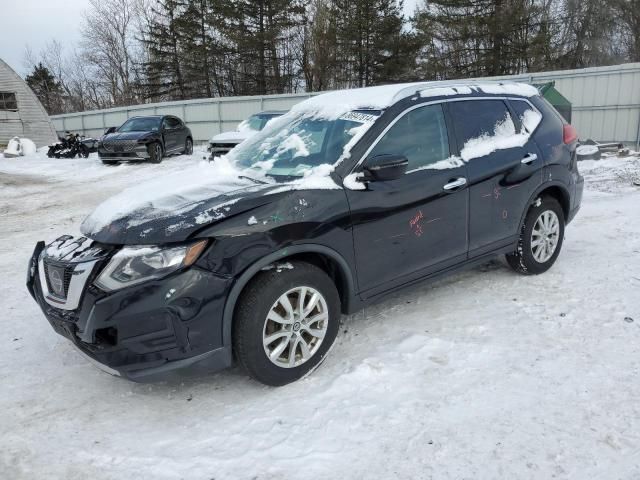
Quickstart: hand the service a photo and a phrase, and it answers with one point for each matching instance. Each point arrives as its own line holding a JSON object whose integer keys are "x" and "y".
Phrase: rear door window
{"x": 420, "y": 135}
{"x": 474, "y": 119}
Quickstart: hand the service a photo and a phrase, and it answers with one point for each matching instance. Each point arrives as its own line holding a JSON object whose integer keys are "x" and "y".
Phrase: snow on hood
{"x": 167, "y": 196}
{"x": 173, "y": 206}
{"x": 232, "y": 137}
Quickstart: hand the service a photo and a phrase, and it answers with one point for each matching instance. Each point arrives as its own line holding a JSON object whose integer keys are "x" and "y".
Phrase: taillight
{"x": 569, "y": 134}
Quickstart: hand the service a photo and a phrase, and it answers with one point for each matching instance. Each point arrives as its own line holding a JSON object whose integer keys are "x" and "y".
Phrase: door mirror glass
{"x": 383, "y": 168}
{"x": 110, "y": 130}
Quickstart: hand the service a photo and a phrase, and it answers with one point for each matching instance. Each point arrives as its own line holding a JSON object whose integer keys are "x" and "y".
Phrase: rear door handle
{"x": 529, "y": 159}
{"x": 453, "y": 184}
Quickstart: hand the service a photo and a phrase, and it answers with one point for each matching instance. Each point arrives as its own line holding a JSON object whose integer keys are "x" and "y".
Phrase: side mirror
{"x": 110, "y": 130}
{"x": 383, "y": 168}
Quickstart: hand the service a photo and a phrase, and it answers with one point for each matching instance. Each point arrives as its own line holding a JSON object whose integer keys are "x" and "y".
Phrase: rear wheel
{"x": 286, "y": 321}
{"x": 155, "y": 153}
{"x": 540, "y": 239}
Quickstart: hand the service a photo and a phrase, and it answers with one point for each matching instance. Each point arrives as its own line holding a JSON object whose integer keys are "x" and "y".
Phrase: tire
{"x": 110, "y": 162}
{"x": 531, "y": 259}
{"x": 262, "y": 298}
{"x": 155, "y": 152}
{"x": 84, "y": 151}
{"x": 188, "y": 147}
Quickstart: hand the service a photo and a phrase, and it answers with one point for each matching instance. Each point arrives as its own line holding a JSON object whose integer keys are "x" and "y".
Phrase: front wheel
{"x": 83, "y": 151}
{"x": 155, "y": 153}
{"x": 286, "y": 321}
{"x": 188, "y": 147}
{"x": 540, "y": 239}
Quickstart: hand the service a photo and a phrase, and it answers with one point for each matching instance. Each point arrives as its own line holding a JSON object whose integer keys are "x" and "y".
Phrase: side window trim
{"x": 448, "y": 121}
{"x": 395, "y": 120}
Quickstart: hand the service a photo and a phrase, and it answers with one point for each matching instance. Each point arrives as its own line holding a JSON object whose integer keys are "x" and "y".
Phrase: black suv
{"x": 351, "y": 196}
{"x": 145, "y": 138}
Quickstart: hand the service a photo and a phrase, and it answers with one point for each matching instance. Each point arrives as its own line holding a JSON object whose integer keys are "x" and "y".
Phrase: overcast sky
{"x": 36, "y": 22}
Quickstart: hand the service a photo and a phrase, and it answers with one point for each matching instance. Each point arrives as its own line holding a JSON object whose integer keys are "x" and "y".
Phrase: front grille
{"x": 221, "y": 148}
{"x": 119, "y": 145}
{"x": 55, "y": 273}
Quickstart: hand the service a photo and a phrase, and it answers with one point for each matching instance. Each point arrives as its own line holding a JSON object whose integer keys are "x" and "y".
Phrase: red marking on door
{"x": 416, "y": 223}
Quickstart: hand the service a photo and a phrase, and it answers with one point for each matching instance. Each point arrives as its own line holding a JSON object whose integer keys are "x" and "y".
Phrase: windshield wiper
{"x": 255, "y": 180}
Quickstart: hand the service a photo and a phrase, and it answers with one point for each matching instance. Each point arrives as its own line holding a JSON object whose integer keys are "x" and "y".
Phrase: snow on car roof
{"x": 332, "y": 105}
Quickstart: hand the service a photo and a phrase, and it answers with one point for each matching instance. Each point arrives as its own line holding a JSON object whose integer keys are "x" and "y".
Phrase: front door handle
{"x": 454, "y": 184}
{"x": 529, "y": 158}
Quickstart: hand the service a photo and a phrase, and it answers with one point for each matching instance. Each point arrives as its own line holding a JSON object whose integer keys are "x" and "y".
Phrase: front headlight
{"x": 133, "y": 265}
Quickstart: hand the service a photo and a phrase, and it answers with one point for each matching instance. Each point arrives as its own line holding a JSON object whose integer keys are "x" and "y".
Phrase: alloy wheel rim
{"x": 545, "y": 236}
{"x": 295, "y": 327}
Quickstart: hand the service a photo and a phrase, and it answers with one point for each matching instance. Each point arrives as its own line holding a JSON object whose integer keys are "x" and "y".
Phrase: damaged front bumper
{"x": 145, "y": 332}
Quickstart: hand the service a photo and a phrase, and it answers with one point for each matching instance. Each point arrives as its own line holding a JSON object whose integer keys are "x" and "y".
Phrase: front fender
{"x": 251, "y": 271}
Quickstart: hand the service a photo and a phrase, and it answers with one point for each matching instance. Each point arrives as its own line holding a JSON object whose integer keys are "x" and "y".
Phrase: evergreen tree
{"x": 372, "y": 46}
{"x": 47, "y": 89}
{"x": 164, "y": 67}
{"x": 261, "y": 33}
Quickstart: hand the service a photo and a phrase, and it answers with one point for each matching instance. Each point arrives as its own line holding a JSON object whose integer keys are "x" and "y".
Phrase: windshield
{"x": 149, "y": 124}
{"x": 298, "y": 142}
{"x": 256, "y": 122}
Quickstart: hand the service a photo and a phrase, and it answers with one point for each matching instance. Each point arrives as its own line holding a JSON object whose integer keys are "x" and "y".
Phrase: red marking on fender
{"x": 496, "y": 193}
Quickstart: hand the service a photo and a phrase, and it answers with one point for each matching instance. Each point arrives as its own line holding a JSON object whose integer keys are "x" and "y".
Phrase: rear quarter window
{"x": 549, "y": 133}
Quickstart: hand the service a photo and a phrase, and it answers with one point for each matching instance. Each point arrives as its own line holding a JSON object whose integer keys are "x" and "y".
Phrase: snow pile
{"x": 451, "y": 162}
{"x": 504, "y": 136}
{"x": 353, "y": 181}
{"x": 445, "y": 91}
{"x": 484, "y": 374}
{"x": 587, "y": 150}
{"x": 530, "y": 120}
{"x": 507, "y": 88}
{"x": 19, "y": 147}
{"x": 295, "y": 145}
{"x": 497, "y": 88}
{"x": 332, "y": 105}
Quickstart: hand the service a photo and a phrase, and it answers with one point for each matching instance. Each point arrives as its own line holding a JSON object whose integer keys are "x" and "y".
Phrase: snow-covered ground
{"x": 483, "y": 375}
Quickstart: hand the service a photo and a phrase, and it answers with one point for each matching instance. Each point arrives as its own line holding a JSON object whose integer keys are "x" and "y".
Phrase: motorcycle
{"x": 71, "y": 146}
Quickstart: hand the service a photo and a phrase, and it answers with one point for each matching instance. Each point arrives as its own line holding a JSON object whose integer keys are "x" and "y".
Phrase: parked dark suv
{"x": 145, "y": 138}
{"x": 351, "y": 196}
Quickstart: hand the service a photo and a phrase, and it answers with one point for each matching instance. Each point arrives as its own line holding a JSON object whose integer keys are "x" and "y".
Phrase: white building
{"x": 21, "y": 113}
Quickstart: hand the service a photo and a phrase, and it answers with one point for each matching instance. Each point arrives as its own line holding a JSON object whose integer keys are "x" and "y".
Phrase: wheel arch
{"x": 323, "y": 257}
{"x": 555, "y": 190}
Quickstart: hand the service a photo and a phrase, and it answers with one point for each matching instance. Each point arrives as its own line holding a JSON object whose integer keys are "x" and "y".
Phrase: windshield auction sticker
{"x": 359, "y": 117}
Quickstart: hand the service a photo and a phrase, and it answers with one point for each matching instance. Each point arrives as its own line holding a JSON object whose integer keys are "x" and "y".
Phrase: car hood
{"x": 232, "y": 137}
{"x": 174, "y": 216}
